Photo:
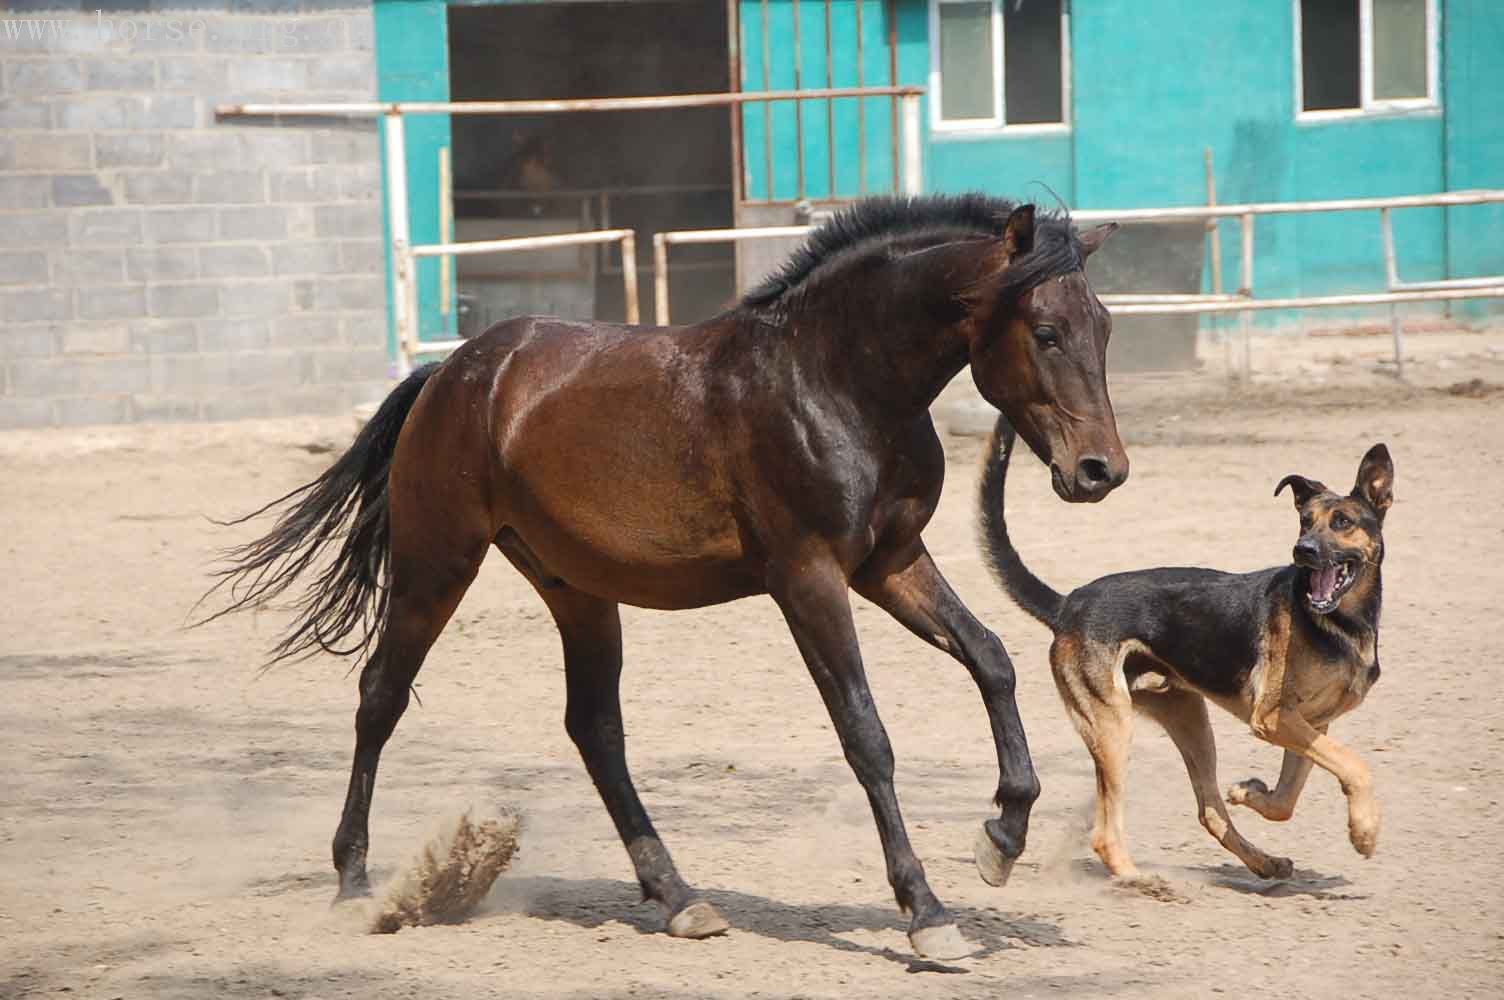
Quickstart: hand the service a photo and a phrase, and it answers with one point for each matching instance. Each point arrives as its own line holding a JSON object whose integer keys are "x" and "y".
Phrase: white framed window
{"x": 999, "y": 64}
{"x": 1362, "y": 57}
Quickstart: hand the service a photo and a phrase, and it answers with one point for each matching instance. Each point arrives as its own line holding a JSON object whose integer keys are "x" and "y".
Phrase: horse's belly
{"x": 674, "y": 556}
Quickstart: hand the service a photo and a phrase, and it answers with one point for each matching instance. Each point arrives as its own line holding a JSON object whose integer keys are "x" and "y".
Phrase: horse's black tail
{"x": 343, "y": 612}
{"x": 1029, "y": 591}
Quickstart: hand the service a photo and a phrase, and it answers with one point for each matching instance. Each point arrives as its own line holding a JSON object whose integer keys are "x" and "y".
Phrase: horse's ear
{"x": 1376, "y": 480}
{"x": 1018, "y": 232}
{"x": 1092, "y": 239}
{"x": 1303, "y": 488}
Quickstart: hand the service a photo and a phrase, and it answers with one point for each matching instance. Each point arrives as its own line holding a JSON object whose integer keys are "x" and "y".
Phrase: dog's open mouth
{"x": 1328, "y": 584}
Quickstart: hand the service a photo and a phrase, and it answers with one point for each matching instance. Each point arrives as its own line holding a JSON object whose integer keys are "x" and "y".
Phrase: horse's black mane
{"x": 873, "y": 224}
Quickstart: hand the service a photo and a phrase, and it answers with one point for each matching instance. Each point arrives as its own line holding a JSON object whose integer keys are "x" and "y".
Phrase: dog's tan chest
{"x": 1326, "y": 687}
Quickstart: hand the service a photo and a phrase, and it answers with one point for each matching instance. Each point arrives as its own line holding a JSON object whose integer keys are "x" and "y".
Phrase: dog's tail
{"x": 1029, "y": 591}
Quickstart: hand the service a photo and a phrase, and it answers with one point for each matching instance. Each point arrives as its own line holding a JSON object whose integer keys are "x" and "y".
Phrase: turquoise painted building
{"x": 1113, "y": 103}
{"x": 1109, "y": 104}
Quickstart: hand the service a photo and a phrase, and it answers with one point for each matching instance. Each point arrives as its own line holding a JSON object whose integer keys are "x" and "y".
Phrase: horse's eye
{"x": 1341, "y": 522}
{"x": 1046, "y": 336}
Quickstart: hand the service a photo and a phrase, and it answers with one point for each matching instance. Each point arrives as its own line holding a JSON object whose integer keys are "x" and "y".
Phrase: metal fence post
{"x": 913, "y": 147}
{"x": 1392, "y": 282}
{"x": 629, "y": 277}
{"x": 660, "y": 279}
{"x": 404, "y": 281}
{"x": 1246, "y": 290}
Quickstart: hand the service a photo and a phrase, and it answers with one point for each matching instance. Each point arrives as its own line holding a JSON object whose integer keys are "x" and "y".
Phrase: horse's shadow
{"x": 591, "y": 903}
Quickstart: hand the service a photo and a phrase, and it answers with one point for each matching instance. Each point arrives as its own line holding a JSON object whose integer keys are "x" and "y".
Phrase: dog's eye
{"x": 1341, "y": 522}
{"x": 1046, "y": 336}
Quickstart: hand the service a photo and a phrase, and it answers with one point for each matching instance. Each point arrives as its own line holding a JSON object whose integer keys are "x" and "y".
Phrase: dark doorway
{"x": 644, "y": 170}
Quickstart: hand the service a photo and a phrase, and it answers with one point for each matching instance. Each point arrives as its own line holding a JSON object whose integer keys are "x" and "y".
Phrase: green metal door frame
{"x": 412, "y": 64}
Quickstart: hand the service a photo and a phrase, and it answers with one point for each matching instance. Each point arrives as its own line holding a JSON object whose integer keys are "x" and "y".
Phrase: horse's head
{"x": 1038, "y": 347}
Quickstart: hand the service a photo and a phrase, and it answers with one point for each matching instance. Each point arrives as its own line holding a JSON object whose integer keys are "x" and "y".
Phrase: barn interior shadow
{"x": 591, "y": 903}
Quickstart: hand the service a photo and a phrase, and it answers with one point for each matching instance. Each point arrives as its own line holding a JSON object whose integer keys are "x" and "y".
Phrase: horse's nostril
{"x": 1092, "y": 472}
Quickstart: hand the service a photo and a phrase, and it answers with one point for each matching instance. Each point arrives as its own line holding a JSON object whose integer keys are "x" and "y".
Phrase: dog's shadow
{"x": 1304, "y": 882}
{"x": 591, "y": 903}
{"x": 1160, "y": 882}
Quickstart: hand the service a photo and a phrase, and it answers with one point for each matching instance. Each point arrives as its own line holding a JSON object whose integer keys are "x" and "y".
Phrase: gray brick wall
{"x": 159, "y": 264}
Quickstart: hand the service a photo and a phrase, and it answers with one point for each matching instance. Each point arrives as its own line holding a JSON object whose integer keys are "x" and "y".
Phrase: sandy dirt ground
{"x": 166, "y": 809}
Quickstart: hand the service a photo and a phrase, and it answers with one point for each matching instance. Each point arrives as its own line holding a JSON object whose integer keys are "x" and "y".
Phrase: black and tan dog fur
{"x": 1287, "y": 650}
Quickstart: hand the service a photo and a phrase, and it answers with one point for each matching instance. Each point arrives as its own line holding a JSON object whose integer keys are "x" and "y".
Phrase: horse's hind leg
{"x": 591, "y": 630}
{"x": 424, "y": 594}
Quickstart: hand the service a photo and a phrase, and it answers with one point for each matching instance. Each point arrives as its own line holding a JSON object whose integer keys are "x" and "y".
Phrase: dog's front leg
{"x": 1295, "y": 733}
{"x": 1278, "y": 805}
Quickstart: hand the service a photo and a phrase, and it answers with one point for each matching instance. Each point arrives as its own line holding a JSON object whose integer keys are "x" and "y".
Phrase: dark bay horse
{"x": 783, "y": 447}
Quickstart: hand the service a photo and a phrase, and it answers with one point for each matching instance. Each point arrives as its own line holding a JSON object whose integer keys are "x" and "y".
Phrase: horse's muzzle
{"x": 1094, "y": 477}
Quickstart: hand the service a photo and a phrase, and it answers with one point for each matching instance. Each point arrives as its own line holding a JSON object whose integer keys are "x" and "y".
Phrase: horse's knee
{"x": 991, "y": 666}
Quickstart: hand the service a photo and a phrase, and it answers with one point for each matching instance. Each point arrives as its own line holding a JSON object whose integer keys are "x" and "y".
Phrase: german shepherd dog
{"x": 1287, "y": 650}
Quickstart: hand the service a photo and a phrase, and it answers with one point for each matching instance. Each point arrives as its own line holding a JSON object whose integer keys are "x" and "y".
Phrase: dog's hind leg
{"x": 1099, "y": 706}
{"x": 1183, "y": 716}
{"x": 1278, "y": 805}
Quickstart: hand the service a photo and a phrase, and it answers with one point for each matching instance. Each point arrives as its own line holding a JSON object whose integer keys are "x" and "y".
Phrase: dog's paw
{"x": 1364, "y": 837}
{"x": 1363, "y": 826}
{"x": 1244, "y": 791}
{"x": 1277, "y": 869}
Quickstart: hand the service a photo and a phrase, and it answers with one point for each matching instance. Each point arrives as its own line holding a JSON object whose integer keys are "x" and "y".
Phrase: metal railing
{"x": 1242, "y": 301}
{"x": 404, "y": 273}
{"x": 408, "y": 275}
{"x": 791, "y": 57}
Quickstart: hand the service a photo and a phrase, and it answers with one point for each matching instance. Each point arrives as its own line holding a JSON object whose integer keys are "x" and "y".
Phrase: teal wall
{"x": 1154, "y": 83}
{"x": 1473, "y": 154}
{"x": 782, "y": 70}
{"x": 412, "y": 64}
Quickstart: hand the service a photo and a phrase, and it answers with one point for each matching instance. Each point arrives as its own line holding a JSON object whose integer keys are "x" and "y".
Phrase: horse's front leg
{"x": 908, "y": 586}
{"x": 814, "y": 600}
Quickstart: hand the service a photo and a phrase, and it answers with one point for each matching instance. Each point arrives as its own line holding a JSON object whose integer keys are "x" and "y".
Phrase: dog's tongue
{"x": 1323, "y": 583}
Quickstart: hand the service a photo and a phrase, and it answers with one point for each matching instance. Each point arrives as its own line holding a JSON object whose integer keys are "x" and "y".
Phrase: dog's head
{"x": 1341, "y": 541}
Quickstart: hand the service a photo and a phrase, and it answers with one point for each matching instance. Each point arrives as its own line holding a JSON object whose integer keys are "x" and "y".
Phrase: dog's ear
{"x": 1376, "y": 480}
{"x": 1304, "y": 489}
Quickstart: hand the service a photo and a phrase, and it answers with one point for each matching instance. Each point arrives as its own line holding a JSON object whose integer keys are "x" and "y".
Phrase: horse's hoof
{"x": 940, "y": 943}
{"x": 351, "y": 891}
{"x": 699, "y": 919}
{"x": 992, "y": 865}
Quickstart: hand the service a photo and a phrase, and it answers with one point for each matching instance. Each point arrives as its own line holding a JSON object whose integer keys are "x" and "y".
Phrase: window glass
{"x": 1032, "y": 62}
{"x": 1331, "y": 72}
{"x": 1399, "y": 49}
{"x": 967, "y": 87}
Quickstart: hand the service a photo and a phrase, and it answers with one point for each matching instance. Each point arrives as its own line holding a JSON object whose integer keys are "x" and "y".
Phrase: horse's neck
{"x": 892, "y": 363}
